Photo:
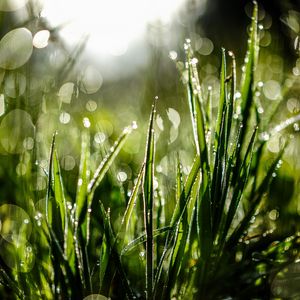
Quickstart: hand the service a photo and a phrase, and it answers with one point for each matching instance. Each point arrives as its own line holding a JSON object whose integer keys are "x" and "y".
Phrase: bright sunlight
{"x": 111, "y": 25}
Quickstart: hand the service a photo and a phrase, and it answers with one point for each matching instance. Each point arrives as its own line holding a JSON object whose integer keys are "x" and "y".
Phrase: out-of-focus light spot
{"x": 15, "y": 127}
{"x": 173, "y": 55}
{"x": 28, "y": 143}
{"x": 238, "y": 95}
{"x": 273, "y": 214}
{"x": 65, "y": 92}
{"x": 293, "y": 105}
{"x": 11, "y": 5}
{"x": 122, "y": 176}
{"x": 86, "y": 122}
{"x": 91, "y": 105}
{"x": 41, "y": 183}
{"x": 21, "y": 169}
{"x": 15, "y": 85}
{"x": 155, "y": 183}
{"x": 163, "y": 166}
{"x": 57, "y": 58}
{"x": 64, "y": 118}
{"x": 159, "y": 122}
{"x": 173, "y": 134}
{"x": 204, "y": 46}
{"x": 2, "y": 105}
{"x": 95, "y": 297}
{"x": 296, "y": 71}
{"x": 134, "y": 125}
{"x": 15, "y": 48}
{"x": 12, "y": 220}
{"x": 272, "y": 90}
{"x": 68, "y": 162}
{"x": 41, "y": 38}
{"x": 174, "y": 117}
{"x": 107, "y": 127}
{"x": 99, "y": 137}
{"x": 260, "y": 110}
{"x": 260, "y": 84}
{"x": 90, "y": 80}
{"x": 265, "y": 39}
{"x": 274, "y": 144}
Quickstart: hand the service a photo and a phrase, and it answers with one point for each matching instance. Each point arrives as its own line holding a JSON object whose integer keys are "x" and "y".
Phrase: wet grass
{"x": 202, "y": 249}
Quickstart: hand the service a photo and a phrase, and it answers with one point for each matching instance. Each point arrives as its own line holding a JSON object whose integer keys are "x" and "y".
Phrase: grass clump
{"x": 202, "y": 249}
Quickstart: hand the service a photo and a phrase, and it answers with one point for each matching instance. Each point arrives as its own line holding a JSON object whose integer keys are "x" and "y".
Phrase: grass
{"x": 201, "y": 249}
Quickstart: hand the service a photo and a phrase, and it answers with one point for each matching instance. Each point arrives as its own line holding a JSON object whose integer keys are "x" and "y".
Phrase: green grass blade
{"x": 240, "y": 185}
{"x": 109, "y": 159}
{"x": 222, "y": 102}
{"x": 83, "y": 178}
{"x": 247, "y": 80}
{"x": 113, "y": 251}
{"x": 143, "y": 238}
{"x": 190, "y": 94}
{"x": 238, "y": 232}
{"x": 148, "y": 196}
{"x": 60, "y": 199}
{"x": 131, "y": 203}
{"x": 49, "y": 184}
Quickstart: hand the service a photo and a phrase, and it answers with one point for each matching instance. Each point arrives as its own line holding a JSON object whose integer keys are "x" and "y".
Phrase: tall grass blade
{"x": 249, "y": 69}
{"x": 148, "y": 197}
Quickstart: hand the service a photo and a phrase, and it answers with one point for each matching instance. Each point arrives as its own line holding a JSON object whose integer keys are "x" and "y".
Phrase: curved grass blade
{"x": 143, "y": 238}
{"x": 131, "y": 203}
{"x": 109, "y": 159}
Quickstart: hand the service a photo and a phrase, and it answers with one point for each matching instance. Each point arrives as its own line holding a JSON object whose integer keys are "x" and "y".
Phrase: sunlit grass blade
{"x": 143, "y": 238}
{"x": 49, "y": 183}
{"x": 148, "y": 197}
{"x": 60, "y": 200}
{"x": 131, "y": 204}
{"x": 109, "y": 159}
{"x": 190, "y": 94}
{"x": 83, "y": 178}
